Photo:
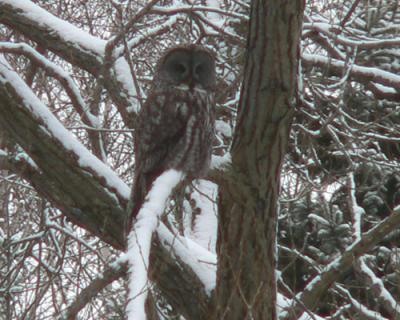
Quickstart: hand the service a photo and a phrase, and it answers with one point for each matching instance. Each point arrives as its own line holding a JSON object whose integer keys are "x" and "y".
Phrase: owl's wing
{"x": 161, "y": 124}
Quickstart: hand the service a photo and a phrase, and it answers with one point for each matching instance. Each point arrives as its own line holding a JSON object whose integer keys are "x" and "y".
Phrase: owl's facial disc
{"x": 189, "y": 67}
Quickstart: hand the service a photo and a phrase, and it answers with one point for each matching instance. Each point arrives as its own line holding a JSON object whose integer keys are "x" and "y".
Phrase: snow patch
{"x": 201, "y": 261}
{"x": 205, "y": 228}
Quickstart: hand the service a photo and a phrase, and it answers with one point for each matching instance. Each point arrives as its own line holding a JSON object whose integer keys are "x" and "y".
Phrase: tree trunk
{"x": 246, "y": 286}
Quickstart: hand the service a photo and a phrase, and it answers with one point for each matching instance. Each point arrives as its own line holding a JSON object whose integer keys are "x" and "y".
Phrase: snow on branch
{"x": 359, "y": 307}
{"x": 334, "y": 32}
{"x": 201, "y": 261}
{"x": 210, "y": 25}
{"x": 74, "y": 45}
{"x": 52, "y": 127}
{"x": 205, "y": 222}
{"x": 221, "y": 162}
{"x": 361, "y": 73}
{"x": 139, "y": 241}
{"x": 62, "y": 28}
{"x": 148, "y": 33}
{"x": 338, "y": 267}
{"x": 357, "y": 212}
{"x": 383, "y": 295}
{"x": 58, "y": 73}
{"x": 198, "y": 8}
{"x": 114, "y": 40}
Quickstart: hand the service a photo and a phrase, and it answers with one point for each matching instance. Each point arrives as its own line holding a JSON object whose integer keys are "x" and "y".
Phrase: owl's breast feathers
{"x": 192, "y": 152}
{"x": 176, "y": 130}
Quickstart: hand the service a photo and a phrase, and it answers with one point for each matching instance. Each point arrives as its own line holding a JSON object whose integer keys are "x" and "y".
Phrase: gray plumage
{"x": 175, "y": 127}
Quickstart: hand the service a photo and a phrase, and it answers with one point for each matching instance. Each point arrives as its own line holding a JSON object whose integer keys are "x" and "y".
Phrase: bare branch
{"x": 114, "y": 272}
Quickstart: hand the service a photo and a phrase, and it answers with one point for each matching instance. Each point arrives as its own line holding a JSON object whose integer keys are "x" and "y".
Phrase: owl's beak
{"x": 191, "y": 83}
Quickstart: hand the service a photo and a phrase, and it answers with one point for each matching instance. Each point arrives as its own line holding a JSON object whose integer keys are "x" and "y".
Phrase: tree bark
{"x": 246, "y": 286}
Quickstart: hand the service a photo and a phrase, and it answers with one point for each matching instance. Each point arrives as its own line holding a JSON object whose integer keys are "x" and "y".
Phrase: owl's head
{"x": 190, "y": 65}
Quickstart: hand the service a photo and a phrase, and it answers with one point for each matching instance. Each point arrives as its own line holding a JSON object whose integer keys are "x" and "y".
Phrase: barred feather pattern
{"x": 175, "y": 131}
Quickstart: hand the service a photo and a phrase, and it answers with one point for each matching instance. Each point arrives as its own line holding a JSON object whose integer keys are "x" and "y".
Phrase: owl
{"x": 175, "y": 127}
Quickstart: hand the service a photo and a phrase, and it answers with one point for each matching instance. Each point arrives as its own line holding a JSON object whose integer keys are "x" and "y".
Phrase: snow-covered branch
{"x": 198, "y": 8}
{"x": 379, "y": 290}
{"x": 62, "y": 159}
{"x": 75, "y": 46}
{"x": 27, "y": 13}
{"x": 139, "y": 241}
{"x": 360, "y": 73}
{"x": 356, "y": 211}
{"x": 339, "y": 38}
{"x": 58, "y": 73}
{"x": 52, "y": 128}
{"x": 358, "y": 307}
{"x": 208, "y": 26}
{"x": 318, "y": 286}
{"x": 202, "y": 262}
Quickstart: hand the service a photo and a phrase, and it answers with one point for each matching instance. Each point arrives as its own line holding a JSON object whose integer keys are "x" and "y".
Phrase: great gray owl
{"x": 175, "y": 126}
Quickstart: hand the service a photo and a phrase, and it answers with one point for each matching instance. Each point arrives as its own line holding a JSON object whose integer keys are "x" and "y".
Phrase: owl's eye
{"x": 180, "y": 69}
{"x": 198, "y": 70}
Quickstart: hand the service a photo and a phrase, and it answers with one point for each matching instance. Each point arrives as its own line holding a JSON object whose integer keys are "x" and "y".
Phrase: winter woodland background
{"x": 88, "y": 63}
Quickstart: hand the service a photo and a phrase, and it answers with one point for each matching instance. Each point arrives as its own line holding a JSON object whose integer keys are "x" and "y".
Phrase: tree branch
{"x": 320, "y": 284}
{"x": 359, "y": 73}
{"x": 84, "y": 188}
{"x": 114, "y": 272}
{"x": 139, "y": 241}
{"x": 67, "y": 83}
{"x": 70, "y": 43}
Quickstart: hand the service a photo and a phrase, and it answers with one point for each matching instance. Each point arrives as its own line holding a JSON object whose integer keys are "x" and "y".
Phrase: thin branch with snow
{"x": 139, "y": 241}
